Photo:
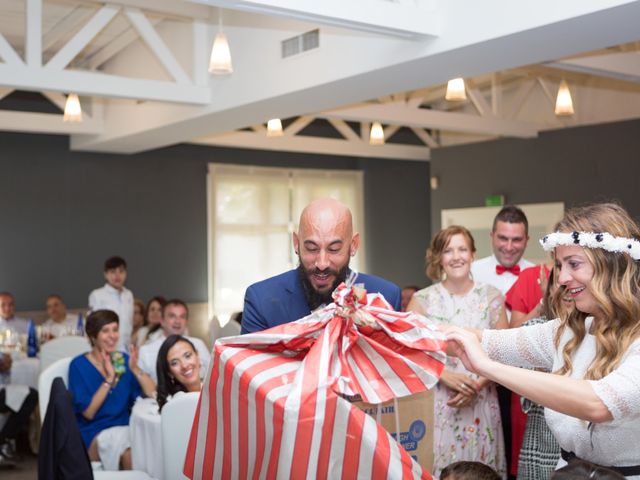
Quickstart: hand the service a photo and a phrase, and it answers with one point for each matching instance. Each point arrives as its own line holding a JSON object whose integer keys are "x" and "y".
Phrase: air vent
{"x": 301, "y": 43}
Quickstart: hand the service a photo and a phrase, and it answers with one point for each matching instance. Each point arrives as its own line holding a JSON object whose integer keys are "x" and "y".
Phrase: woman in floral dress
{"x": 467, "y": 416}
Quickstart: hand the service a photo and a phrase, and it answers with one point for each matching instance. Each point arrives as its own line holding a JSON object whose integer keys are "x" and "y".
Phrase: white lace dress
{"x": 614, "y": 443}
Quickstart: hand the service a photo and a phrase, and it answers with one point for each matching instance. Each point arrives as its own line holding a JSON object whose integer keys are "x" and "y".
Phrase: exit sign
{"x": 494, "y": 200}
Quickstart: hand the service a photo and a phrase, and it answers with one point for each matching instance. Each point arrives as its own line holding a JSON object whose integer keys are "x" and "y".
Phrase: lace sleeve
{"x": 530, "y": 347}
{"x": 620, "y": 390}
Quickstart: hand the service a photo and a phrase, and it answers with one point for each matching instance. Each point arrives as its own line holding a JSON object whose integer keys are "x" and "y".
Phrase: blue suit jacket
{"x": 280, "y": 299}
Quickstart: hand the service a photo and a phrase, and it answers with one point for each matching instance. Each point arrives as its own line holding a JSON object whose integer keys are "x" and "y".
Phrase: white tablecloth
{"x": 146, "y": 438}
{"x": 25, "y": 372}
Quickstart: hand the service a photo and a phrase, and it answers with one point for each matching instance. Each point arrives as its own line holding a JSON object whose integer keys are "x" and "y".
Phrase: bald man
{"x": 324, "y": 243}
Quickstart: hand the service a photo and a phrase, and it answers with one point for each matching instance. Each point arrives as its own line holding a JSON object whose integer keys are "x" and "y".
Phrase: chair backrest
{"x": 177, "y": 419}
{"x": 60, "y": 368}
{"x": 62, "y": 347}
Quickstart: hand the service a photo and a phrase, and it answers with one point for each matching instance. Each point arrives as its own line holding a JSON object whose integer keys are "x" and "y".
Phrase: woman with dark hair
{"x": 105, "y": 384}
{"x": 139, "y": 329}
{"x": 178, "y": 368}
{"x": 153, "y": 315}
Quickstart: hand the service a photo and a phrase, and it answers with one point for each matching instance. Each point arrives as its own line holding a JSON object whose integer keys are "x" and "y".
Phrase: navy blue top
{"x": 84, "y": 381}
{"x": 280, "y": 299}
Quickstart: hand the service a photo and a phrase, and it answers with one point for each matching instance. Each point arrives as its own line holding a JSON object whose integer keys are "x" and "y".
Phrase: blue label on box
{"x": 409, "y": 440}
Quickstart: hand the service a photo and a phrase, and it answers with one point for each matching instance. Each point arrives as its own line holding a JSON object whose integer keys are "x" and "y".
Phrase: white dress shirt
{"x": 17, "y": 324}
{"x": 484, "y": 271}
{"x": 119, "y": 301}
{"x": 58, "y": 329}
{"x": 148, "y": 356}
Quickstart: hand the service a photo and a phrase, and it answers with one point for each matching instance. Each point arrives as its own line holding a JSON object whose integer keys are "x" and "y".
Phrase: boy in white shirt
{"x": 115, "y": 297}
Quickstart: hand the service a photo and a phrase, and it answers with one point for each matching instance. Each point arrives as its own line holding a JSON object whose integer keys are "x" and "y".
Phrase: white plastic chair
{"x": 177, "y": 419}
{"x": 59, "y": 368}
{"x": 62, "y": 347}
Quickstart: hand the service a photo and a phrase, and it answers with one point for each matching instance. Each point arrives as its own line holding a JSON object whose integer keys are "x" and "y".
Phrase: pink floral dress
{"x": 473, "y": 432}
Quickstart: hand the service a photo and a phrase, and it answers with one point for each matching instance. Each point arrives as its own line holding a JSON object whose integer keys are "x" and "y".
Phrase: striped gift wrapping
{"x": 272, "y": 405}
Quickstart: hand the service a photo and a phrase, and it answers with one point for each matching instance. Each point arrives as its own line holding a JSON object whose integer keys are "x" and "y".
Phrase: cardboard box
{"x": 412, "y": 420}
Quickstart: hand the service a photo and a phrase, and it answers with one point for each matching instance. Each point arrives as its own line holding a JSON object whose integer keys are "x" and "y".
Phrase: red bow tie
{"x": 515, "y": 269}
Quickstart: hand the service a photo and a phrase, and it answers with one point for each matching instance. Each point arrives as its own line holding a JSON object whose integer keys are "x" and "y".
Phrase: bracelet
{"x": 107, "y": 384}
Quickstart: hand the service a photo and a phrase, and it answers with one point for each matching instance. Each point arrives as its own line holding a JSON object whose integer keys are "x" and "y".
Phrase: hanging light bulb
{"x": 274, "y": 128}
{"x": 72, "y": 109}
{"x": 376, "y": 137}
{"x": 564, "y": 103}
{"x": 456, "y": 90}
{"x": 220, "y": 60}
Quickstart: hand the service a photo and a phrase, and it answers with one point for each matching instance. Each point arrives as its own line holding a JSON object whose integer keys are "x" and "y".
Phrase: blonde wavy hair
{"x": 615, "y": 286}
{"x": 438, "y": 244}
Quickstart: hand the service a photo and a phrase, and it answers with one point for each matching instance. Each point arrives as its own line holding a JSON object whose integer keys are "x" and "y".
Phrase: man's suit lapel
{"x": 296, "y": 306}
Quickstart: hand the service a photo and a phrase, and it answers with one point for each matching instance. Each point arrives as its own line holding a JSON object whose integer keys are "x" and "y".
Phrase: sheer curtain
{"x": 252, "y": 212}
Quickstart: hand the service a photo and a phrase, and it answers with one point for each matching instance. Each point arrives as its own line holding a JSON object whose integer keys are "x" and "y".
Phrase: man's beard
{"x": 312, "y": 296}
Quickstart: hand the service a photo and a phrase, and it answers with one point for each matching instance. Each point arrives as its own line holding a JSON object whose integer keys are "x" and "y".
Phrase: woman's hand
{"x": 107, "y": 365}
{"x": 466, "y": 346}
{"x": 134, "y": 352}
{"x": 464, "y": 387}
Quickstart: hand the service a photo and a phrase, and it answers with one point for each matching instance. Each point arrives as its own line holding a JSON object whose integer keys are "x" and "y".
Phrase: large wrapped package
{"x": 275, "y": 403}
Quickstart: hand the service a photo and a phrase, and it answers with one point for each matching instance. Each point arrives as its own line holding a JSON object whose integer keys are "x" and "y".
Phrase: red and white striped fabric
{"x": 270, "y": 406}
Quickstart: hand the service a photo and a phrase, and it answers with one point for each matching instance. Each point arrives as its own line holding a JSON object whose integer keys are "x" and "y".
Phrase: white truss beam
{"x": 101, "y": 84}
{"x": 8, "y": 54}
{"x": 157, "y": 45}
{"x": 399, "y": 114}
{"x": 514, "y": 106}
{"x": 80, "y": 40}
{"x": 478, "y": 100}
{"x": 48, "y": 123}
{"x": 33, "y": 27}
{"x": 181, "y": 9}
{"x": 405, "y": 20}
{"x": 297, "y": 125}
{"x": 326, "y": 146}
{"x": 424, "y": 136}
{"x": 57, "y": 32}
{"x": 116, "y": 46}
{"x": 344, "y": 129}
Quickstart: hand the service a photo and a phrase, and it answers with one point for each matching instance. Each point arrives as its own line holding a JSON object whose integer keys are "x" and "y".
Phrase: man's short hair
{"x": 511, "y": 214}
{"x": 7, "y": 294}
{"x": 114, "y": 262}
{"x": 468, "y": 471}
{"x": 175, "y": 301}
{"x": 54, "y": 295}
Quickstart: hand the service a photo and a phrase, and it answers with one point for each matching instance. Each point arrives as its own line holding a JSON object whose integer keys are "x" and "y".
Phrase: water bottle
{"x": 80, "y": 325}
{"x": 32, "y": 340}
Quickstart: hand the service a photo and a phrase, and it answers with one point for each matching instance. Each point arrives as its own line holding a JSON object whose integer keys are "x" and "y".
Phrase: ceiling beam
{"x": 33, "y": 29}
{"x": 48, "y": 123}
{"x": 101, "y": 85}
{"x": 323, "y": 146}
{"x": 399, "y": 114}
{"x": 8, "y": 54}
{"x": 181, "y": 9}
{"x": 404, "y": 20}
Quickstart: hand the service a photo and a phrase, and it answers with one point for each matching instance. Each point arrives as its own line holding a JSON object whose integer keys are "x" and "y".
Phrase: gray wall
{"x": 64, "y": 212}
{"x": 576, "y": 166}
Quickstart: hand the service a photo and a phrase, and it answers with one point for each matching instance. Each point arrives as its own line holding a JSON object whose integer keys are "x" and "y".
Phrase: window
{"x": 252, "y": 213}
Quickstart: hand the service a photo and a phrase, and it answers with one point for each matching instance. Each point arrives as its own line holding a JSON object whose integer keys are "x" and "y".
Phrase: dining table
{"x": 146, "y": 438}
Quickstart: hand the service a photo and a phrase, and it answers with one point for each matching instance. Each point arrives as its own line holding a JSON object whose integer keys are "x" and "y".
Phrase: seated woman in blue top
{"x": 105, "y": 384}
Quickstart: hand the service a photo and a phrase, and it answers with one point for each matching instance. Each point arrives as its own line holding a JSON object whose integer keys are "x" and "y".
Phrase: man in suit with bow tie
{"x": 509, "y": 237}
{"x": 324, "y": 243}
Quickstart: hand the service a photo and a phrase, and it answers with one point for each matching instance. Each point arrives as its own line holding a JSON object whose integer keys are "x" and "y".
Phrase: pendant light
{"x": 274, "y": 128}
{"x": 455, "y": 90}
{"x": 220, "y": 60}
{"x": 376, "y": 136}
{"x": 564, "y": 103}
{"x": 72, "y": 109}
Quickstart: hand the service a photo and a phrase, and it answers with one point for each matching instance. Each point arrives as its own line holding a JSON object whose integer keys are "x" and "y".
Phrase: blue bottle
{"x": 80, "y": 325}
{"x": 32, "y": 340}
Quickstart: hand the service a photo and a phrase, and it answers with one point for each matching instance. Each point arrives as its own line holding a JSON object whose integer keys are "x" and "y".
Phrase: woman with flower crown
{"x": 592, "y": 398}
{"x": 105, "y": 384}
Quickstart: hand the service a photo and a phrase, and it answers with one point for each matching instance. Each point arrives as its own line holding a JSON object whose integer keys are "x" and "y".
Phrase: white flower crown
{"x": 606, "y": 241}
